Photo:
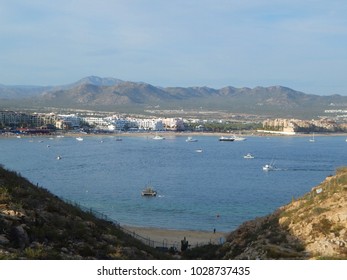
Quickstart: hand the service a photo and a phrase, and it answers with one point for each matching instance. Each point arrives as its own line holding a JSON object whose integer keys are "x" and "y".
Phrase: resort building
{"x": 19, "y": 119}
{"x": 96, "y": 121}
{"x": 150, "y": 124}
{"x": 173, "y": 124}
{"x": 71, "y": 121}
{"x": 295, "y": 125}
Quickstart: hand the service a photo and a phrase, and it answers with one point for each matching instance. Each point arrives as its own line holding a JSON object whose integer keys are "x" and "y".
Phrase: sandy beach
{"x": 169, "y": 237}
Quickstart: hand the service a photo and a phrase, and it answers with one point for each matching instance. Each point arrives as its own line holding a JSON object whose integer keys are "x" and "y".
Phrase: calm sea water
{"x": 216, "y": 188}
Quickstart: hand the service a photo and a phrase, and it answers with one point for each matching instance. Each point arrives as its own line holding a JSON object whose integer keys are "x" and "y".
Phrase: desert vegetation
{"x": 36, "y": 224}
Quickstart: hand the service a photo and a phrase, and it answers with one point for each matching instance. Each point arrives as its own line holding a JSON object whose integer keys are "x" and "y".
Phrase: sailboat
{"x": 312, "y": 139}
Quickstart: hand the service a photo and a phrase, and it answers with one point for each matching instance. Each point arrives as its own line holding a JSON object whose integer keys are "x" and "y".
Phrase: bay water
{"x": 201, "y": 185}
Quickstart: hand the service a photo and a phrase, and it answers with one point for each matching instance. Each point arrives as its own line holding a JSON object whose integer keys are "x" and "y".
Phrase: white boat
{"x": 312, "y": 139}
{"x": 191, "y": 139}
{"x": 270, "y": 166}
{"x": 239, "y": 138}
{"x": 58, "y": 157}
{"x": 158, "y": 137}
{"x": 248, "y": 156}
{"x": 148, "y": 191}
{"x": 198, "y": 150}
{"x": 223, "y": 138}
{"x": 79, "y": 139}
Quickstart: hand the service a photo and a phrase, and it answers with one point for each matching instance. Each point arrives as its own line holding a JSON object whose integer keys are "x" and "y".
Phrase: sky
{"x": 215, "y": 43}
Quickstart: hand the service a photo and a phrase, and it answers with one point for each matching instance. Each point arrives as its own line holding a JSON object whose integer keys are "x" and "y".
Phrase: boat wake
{"x": 300, "y": 169}
{"x": 308, "y": 169}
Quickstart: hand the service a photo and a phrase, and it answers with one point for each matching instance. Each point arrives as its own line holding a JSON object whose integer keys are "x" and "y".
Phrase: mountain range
{"x": 97, "y": 93}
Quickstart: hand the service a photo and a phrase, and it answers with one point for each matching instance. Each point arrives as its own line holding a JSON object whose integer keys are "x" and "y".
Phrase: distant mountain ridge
{"x": 113, "y": 94}
{"x": 96, "y": 81}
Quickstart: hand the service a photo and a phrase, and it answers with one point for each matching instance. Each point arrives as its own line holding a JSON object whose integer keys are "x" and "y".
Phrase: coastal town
{"x": 13, "y": 122}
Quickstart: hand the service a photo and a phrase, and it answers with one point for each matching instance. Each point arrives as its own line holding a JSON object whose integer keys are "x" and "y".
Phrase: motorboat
{"x": 148, "y": 191}
{"x": 58, "y": 157}
{"x": 79, "y": 139}
{"x": 191, "y": 139}
{"x": 248, "y": 156}
{"x": 158, "y": 137}
{"x": 223, "y": 138}
{"x": 198, "y": 150}
{"x": 239, "y": 138}
{"x": 268, "y": 167}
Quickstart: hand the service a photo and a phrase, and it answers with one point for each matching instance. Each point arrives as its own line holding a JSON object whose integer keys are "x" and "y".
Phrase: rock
{"x": 65, "y": 250}
{"x": 127, "y": 251}
{"x": 3, "y": 240}
{"x": 35, "y": 245}
{"x": 109, "y": 238}
{"x": 21, "y": 236}
{"x": 13, "y": 213}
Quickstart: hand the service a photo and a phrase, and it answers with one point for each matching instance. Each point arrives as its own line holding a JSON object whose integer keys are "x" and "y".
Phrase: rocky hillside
{"x": 34, "y": 224}
{"x": 311, "y": 227}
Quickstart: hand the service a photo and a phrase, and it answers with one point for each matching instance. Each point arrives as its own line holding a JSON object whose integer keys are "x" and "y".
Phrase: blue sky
{"x": 216, "y": 43}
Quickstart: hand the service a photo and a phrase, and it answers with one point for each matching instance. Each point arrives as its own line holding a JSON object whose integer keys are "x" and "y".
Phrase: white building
{"x": 117, "y": 123}
{"x": 96, "y": 121}
{"x": 150, "y": 124}
{"x": 173, "y": 124}
{"x": 68, "y": 121}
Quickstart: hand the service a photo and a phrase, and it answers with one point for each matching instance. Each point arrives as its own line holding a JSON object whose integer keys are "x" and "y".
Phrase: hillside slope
{"x": 111, "y": 94}
{"x": 34, "y": 224}
{"x": 276, "y": 100}
{"x": 313, "y": 226}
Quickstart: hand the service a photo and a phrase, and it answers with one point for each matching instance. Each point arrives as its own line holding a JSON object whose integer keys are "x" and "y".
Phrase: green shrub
{"x": 324, "y": 226}
{"x": 319, "y": 210}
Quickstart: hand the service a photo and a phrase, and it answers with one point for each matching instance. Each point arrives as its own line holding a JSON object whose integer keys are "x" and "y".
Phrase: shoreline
{"x": 171, "y": 237}
{"x": 170, "y": 134}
